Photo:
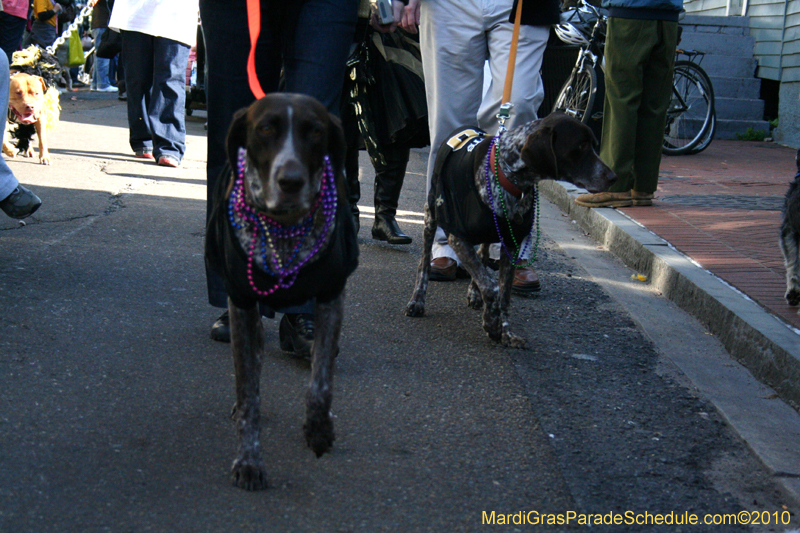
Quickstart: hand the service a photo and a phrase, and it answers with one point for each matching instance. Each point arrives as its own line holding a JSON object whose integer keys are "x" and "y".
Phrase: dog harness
{"x": 323, "y": 278}
{"x": 460, "y": 210}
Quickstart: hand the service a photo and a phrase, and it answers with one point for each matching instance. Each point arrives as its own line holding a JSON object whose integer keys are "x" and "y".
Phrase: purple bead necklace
{"x": 518, "y": 254}
{"x": 270, "y": 235}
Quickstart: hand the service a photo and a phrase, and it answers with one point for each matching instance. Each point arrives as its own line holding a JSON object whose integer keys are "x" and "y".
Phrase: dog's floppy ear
{"x": 237, "y": 136}
{"x": 44, "y": 83}
{"x": 539, "y": 153}
{"x": 336, "y": 144}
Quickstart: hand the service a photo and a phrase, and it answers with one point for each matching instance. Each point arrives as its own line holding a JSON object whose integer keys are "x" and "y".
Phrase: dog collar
{"x": 504, "y": 182}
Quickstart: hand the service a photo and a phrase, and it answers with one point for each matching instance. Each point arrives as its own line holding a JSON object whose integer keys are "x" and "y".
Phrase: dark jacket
{"x": 324, "y": 278}
{"x": 537, "y": 12}
{"x": 644, "y": 9}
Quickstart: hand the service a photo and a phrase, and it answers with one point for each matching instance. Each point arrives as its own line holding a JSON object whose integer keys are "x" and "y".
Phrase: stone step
{"x": 717, "y": 43}
{"x": 729, "y": 66}
{"x": 725, "y": 87}
{"x": 739, "y": 108}
{"x": 728, "y": 129}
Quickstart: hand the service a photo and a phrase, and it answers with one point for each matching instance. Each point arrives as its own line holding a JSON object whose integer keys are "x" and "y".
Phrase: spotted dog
{"x": 482, "y": 191}
{"x": 280, "y": 232}
{"x": 790, "y": 238}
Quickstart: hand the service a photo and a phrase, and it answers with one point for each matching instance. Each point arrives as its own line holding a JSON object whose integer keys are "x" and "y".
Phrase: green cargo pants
{"x": 639, "y": 55}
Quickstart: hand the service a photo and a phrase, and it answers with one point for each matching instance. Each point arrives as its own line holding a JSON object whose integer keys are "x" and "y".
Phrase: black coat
{"x": 538, "y": 12}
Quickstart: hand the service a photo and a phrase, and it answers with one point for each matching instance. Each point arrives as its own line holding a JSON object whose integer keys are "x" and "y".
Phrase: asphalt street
{"x": 114, "y": 412}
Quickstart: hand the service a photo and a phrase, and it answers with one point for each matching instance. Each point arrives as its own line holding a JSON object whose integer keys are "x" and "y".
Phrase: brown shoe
{"x": 605, "y": 199}
{"x": 526, "y": 281}
{"x": 642, "y": 198}
{"x": 443, "y": 269}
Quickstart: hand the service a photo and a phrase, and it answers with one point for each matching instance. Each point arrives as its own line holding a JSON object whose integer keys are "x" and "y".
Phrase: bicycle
{"x": 691, "y": 116}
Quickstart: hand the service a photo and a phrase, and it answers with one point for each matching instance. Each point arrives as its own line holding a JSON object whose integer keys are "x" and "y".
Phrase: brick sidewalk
{"x": 722, "y": 208}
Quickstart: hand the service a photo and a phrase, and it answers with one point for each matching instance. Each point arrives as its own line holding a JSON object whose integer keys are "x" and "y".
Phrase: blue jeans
{"x": 11, "y": 30}
{"x": 155, "y": 80}
{"x": 8, "y": 182}
{"x": 310, "y": 43}
{"x": 100, "y": 78}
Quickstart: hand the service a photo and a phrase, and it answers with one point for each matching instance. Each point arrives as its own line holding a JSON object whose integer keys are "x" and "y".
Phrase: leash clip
{"x": 504, "y": 114}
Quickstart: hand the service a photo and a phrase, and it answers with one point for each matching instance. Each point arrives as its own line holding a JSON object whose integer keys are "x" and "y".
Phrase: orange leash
{"x": 506, "y": 105}
{"x": 254, "y": 26}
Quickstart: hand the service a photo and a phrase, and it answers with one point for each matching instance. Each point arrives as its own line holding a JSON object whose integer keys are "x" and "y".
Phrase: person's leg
{"x": 626, "y": 50}
{"x": 100, "y": 79}
{"x": 656, "y": 93}
{"x": 527, "y": 91}
{"x": 390, "y": 170}
{"x": 454, "y": 49}
{"x": 11, "y": 30}
{"x": 138, "y": 50}
{"x": 167, "y": 110}
{"x": 315, "y": 58}
{"x": 15, "y": 200}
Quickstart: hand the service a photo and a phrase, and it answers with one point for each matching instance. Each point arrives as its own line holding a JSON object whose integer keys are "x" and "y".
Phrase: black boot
{"x": 389, "y": 175}
{"x": 385, "y": 228}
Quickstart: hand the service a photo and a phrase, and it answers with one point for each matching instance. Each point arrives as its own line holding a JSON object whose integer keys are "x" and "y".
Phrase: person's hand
{"x": 57, "y": 8}
{"x": 410, "y": 18}
{"x": 397, "y": 12}
{"x": 92, "y": 3}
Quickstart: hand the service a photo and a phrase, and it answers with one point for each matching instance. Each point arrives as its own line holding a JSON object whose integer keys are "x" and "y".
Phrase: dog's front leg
{"x": 9, "y": 149}
{"x": 791, "y": 256}
{"x": 485, "y": 283}
{"x": 474, "y": 299}
{"x": 247, "y": 343}
{"x": 318, "y": 427}
{"x": 416, "y": 306}
{"x": 41, "y": 132}
{"x": 505, "y": 282}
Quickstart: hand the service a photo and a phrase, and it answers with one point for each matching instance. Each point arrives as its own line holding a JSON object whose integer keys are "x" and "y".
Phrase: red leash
{"x": 254, "y": 26}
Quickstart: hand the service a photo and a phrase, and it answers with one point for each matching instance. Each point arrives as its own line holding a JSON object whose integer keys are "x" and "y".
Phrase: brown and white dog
{"x": 280, "y": 232}
{"x": 33, "y": 103}
{"x": 483, "y": 185}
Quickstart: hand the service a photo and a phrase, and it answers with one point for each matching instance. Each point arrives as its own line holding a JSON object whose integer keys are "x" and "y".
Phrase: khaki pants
{"x": 639, "y": 55}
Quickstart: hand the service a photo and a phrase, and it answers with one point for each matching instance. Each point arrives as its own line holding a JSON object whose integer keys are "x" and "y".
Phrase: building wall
{"x": 788, "y": 131}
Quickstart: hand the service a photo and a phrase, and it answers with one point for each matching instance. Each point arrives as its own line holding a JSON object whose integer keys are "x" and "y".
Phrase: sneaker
{"x": 109, "y": 89}
{"x": 21, "y": 203}
{"x": 122, "y": 95}
{"x": 144, "y": 153}
{"x": 296, "y": 333}
{"x": 168, "y": 161}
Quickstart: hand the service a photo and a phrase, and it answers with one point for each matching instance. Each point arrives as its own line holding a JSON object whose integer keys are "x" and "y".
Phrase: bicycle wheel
{"x": 577, "y": 95}
{"x": 691, "y": 119}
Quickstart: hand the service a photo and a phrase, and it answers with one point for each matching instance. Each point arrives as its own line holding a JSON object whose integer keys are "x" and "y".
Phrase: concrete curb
{"x": 768, "y": 348}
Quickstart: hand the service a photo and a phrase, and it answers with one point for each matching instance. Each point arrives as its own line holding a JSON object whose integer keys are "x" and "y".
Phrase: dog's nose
{"x": 291, "y": 179}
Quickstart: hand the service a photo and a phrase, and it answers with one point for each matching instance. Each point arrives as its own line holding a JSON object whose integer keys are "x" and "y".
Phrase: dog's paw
{"x": 249, "y": 474}
{"x": 27, "y": 153}
{"x": 793, "y": 296}
{"x": 319, "y": 432}
{"x": 44, "y": 160}
{"x": 415, "y": 308}
{"x": 509, "y": 340}
{"x": 474, "y": 299}
{"x": 10, "y": 152}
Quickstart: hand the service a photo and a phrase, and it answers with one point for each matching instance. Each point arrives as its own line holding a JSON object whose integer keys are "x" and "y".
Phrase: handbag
{"x": 387, "y": 90}
{"x": 70, "y": 53}
{"x": 110, "y": 44}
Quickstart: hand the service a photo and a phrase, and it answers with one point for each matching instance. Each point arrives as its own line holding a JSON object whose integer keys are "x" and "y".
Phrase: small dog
{"x": 280, "y": 233}
{"x": 484, "y": 185}
{"x": 790, "y": 238}
{"x": 33, "y": 105}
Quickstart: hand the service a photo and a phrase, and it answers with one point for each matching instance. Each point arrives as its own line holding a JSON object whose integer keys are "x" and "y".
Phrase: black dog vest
{"x": 323, "y": 278}
{"x": 458, "y": 205}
